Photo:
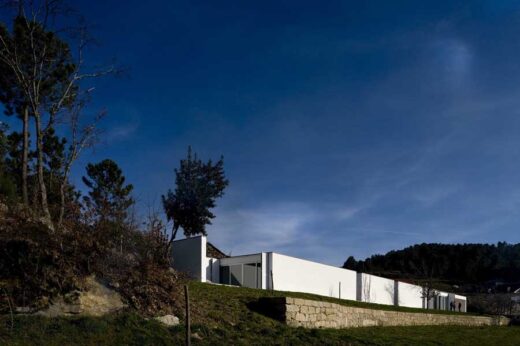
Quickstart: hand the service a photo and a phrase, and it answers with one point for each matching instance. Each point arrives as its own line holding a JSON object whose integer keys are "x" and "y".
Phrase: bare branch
{"x": 81, "y": 138}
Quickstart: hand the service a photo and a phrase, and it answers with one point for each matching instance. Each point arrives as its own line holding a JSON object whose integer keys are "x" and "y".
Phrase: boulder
{"x": 168, "y": 320}
{"x": 3, "y": 209}
{"x": 95, "y": 300}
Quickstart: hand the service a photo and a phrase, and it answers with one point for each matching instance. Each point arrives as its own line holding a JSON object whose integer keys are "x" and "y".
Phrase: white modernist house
{"x": 269, "y": 270}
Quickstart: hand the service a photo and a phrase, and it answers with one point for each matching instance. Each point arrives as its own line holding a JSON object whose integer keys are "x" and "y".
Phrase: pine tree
{"x": 109, "y": 197}
{"x": 197, "y": 186}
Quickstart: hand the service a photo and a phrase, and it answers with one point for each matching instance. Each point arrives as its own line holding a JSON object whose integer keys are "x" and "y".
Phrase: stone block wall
{"x": 317, "y": 314}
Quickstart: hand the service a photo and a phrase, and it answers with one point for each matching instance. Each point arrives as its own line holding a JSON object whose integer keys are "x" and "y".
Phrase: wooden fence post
{"x": 188, "y": 324}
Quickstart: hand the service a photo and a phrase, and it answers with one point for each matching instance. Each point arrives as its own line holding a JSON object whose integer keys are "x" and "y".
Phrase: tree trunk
{"x": 187, "y": 316}
{"x": 63, "y": 186}
{"x": 62, "y": 202}
{"x": 25, "y": 156}
{"x": 39, "y": 161}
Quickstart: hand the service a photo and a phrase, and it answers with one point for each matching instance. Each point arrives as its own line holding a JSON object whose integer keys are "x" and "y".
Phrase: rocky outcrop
{"x": 95, "y": 299}
{"x": 315, "y": 314}
{"x": 3, "y": 209}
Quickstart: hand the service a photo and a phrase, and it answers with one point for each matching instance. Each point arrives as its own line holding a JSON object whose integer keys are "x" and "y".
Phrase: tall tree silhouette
{"x": 38, "y": 68}
{"x": 197, "y": 186}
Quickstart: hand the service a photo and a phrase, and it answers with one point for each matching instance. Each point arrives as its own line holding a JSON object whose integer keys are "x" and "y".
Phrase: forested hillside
{"x": 479, "y": 266}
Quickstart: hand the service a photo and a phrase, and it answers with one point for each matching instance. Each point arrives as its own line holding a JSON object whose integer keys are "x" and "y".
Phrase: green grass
{"x": 121, "y": 329}
{"x": 221, "y": 317}
{"x": 213, "y": 292}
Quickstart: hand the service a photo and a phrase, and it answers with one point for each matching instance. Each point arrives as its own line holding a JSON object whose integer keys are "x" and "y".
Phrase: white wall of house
{"x": 375, "y": 289}
{"x": 189, "y": 256}
{"x": 265, "y": 271}
{"x": 409, "y": 295}
{"x": 298, "y": 275}
{"x": 212, "y": 266}
{"x": 286, "y": 273}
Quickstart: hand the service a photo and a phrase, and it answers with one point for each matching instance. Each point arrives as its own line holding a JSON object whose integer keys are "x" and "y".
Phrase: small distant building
{"x": 515, "y": 303}
{"x": 269, "y": 270}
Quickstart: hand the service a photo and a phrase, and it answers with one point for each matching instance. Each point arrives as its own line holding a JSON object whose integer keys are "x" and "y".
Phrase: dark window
{"x": 224, "y": 275}
{"x": 247, "y": 275}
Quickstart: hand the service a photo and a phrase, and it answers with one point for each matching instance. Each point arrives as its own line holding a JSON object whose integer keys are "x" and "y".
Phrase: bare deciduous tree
{"x": 45, "y": 75}
{"x": 367, "y": 289}
{"x": 81, "y": 137}
{"x": 428, "y": 292}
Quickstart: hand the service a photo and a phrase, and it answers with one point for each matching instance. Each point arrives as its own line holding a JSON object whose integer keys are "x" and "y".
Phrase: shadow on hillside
{"x": 272, "y": 307}
{"x": 515, "y": 320}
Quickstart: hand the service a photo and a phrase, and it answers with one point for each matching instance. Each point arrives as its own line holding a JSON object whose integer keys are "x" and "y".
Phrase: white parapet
{"x": 375, "y": 289}
{"x": 189, "y": 256}
{"x": 298, "y": 275}
{"x": 409, "y": 295}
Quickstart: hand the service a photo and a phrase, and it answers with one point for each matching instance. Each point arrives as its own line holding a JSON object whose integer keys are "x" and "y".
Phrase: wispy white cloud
{"x": 298, "y": 229}
{"x": 455, "y": 58}
{"x": 347, "y": 213}
{"x": 123, "y": 131}
{"x": 123, "y": 122}
{"x": 431, "y": 195}
{"x": 248, "y": 230}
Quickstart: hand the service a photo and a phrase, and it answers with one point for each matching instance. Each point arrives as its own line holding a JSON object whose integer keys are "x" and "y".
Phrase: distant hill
{"x": 477, "y": 267}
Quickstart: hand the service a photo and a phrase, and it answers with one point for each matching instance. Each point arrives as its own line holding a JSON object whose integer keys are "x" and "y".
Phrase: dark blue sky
{"x": 348, "y": 127}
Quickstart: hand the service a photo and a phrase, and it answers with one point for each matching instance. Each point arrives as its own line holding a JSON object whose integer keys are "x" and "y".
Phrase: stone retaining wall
{"x": 315, "y": 314}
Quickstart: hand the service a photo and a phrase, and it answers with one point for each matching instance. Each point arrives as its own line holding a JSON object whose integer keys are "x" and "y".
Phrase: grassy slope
{"x": 221, "y": 316}
{"x": 211, "y": 292}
